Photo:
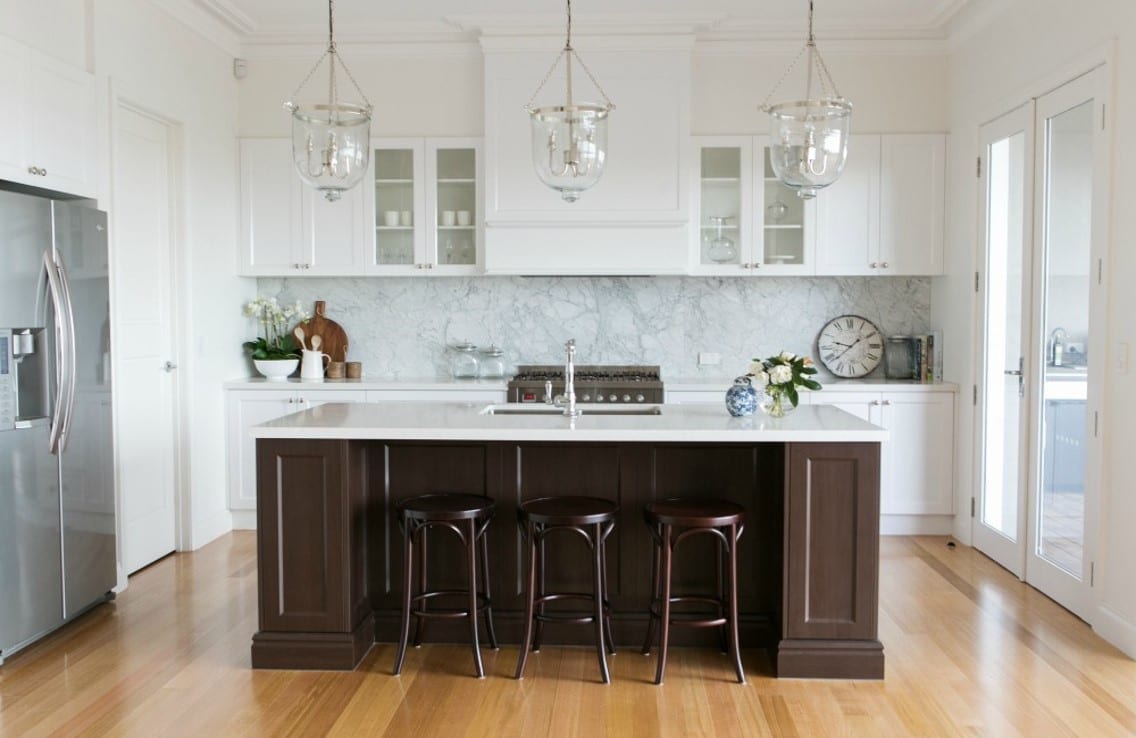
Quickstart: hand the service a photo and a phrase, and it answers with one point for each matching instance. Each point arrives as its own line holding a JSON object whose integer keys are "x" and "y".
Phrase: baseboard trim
{"x": 327, "y": 651}
{"x": 244, "y": 519}
{"x": 1112, "y": 627}
{"x": 823, "y": 659}
{"x": 917, "y": 525}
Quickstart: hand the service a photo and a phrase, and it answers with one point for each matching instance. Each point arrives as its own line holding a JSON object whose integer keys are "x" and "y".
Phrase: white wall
{"x": 57, "y": 28}
{"x": 991, "y": 72}
{"x": 147, "y": 58}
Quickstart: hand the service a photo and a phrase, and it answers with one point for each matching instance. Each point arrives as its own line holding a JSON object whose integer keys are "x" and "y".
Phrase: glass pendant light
{"x": 331, "y": 142}
{"x": 569, "y": 141}
{"x": 809, "y": 137}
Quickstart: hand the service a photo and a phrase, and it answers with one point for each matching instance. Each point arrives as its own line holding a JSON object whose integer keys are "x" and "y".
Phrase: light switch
{"x": 706, "y": 358}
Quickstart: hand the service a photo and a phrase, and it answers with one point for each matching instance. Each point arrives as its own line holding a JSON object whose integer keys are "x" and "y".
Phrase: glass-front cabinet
{"x": 426, "y": 206}
{"x": 747, "y": 221}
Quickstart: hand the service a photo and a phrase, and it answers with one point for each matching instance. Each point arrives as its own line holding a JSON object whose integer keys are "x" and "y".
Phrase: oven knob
{"x": 613, "y": 397}
{"x": 599, "y": 397}
{"x": 640, "y": 398}
{"x": 627, "y": 398}
{"x": 586, "y": 398}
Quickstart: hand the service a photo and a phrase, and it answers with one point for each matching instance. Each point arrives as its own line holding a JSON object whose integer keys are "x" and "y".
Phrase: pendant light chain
{"x": 815, "y": 63}
{"x": 332, "y": 51}
{"x": 568, "y": 53}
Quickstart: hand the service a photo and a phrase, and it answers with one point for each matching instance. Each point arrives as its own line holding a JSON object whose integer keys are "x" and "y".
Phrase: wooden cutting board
{"x": 333, "y": 335}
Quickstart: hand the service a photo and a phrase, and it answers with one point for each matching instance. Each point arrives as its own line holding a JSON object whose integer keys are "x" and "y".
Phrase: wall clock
{"x": 850, "y": 346}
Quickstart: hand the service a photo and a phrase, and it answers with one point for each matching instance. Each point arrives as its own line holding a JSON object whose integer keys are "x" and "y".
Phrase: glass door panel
{"x": 1067, "y": 236}
{"x": 721, "y": 215}
{"x": 455, "y": 200}
{"x": 782, "y": 220}
{"x": 394, "y": 206}
{"x": 1002, "y": 449}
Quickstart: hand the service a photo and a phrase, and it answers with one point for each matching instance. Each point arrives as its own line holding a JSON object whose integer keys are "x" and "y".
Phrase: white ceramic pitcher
{"x": 312, "y": 365}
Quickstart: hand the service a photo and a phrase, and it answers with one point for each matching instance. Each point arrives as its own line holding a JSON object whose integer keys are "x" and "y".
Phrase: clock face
{"x": 850, "y": 346}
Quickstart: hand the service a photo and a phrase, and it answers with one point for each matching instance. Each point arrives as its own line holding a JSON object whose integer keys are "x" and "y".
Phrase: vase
{"x": 741, "y": 398}
{"x": 276, "y": 370}
{"x": 776, "y": 403}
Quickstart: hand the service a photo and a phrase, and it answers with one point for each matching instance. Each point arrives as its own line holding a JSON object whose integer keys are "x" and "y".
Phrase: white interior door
{"x": 143, "y": 327}
{"x": 1004, "y": 323}
{"x": 1071, "y": 187}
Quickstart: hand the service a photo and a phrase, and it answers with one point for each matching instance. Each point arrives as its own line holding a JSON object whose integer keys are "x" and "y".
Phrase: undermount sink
{"x": 585, "y": 409}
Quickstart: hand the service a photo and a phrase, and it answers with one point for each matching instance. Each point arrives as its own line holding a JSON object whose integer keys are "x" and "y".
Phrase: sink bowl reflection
{"x": 585, "y": 409}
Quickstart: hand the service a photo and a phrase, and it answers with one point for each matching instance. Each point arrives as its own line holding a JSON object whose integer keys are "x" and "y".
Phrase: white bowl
{"x": 276, "y": 370}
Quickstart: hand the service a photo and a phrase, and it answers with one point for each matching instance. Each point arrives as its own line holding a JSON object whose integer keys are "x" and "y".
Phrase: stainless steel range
{"x": 610, "y": 384}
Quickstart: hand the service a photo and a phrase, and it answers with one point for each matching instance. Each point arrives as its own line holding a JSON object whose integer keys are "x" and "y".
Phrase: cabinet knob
{"x": 873, "y": 265}
{"x": 884, "y": 265}
{"x": 42, "y": 172}
{"x": 756, "y": 265}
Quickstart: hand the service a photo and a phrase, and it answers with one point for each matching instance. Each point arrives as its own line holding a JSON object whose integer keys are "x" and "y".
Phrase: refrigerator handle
{"x": 56, "y": 294}
{"x": 71, "y": 368}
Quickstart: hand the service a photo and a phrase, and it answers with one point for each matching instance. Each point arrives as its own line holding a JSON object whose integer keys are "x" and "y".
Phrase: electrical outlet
{"x": 705, "y": 358}
{"x": 1121, "y": 358}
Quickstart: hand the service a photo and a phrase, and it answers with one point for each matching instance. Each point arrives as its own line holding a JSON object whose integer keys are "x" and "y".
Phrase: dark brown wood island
{"x": 329, "y": 548}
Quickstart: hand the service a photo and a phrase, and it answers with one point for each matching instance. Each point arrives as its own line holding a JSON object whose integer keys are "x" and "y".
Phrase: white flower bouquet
{"x": 276, "y": 341}
{"x": 780, "y": 377}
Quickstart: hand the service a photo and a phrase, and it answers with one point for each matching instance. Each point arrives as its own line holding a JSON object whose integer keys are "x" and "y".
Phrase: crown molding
{"x": 973, "y": 19}
{"x": 216, "y": 31}
{"x": 230, "y": 14}
{"x": 608, "y": 24}
{"x": 734, "y": 46}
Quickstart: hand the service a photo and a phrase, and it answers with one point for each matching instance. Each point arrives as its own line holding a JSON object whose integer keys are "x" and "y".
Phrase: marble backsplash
{"x": 400, "y": 327}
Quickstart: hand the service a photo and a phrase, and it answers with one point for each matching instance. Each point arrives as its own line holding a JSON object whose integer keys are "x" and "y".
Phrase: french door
{"x": 1043, "y": 216}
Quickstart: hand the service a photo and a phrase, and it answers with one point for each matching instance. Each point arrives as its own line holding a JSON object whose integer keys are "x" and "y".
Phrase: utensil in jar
{"x": 316, "y": 342}
{"x": 299, "y": 334}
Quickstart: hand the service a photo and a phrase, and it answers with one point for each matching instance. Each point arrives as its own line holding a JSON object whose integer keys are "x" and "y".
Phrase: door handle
{"x": 169, "y": 366}
{"x": 1013, "y": 372}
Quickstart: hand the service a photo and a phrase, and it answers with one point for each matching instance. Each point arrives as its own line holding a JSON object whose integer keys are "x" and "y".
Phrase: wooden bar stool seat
{"x": 671, "y": 522}
{"x": 468, "y": 516}
{"x": 593, "y": 519}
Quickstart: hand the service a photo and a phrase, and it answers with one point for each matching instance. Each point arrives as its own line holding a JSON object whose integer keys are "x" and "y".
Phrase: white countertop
{"x": 458, "y": 421}
{"x": 865, "y": 384}
{"x": 441, "y": 384}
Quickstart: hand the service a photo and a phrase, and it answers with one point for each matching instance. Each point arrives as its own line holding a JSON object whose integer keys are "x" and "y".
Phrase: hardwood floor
{"x": 970, "y": 650}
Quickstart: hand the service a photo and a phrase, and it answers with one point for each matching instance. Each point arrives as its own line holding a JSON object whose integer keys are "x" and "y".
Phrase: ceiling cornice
{"x": 216, "y": 31}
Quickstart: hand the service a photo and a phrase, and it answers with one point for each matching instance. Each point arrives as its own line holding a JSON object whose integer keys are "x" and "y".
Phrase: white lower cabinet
{"x": 917, "y": 461}
{"x": 247, "y": 408}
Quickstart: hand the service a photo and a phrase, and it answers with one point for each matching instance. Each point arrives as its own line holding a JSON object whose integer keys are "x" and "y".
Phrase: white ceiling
{"x": 852, "y": 18}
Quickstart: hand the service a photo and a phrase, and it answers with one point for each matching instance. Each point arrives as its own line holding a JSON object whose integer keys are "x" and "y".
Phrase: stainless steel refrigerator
{"x": 57, "y": 516}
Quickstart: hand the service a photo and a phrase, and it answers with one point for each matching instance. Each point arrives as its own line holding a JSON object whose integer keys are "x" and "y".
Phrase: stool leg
{"x": 471, "y": 559}
{"x": 723, "y": 637}
{"x": 540, "y": 592}
{"x": 664, "y": 604}
{"x": 419, "y": 622}
{"x": 652, "y": 622}
{"x": 604, "y": 598}
{"x": 530, "y": 590}
{"x": 486, "y": 590}
{"x": 597, "y": 596}
{"x": 734, "y": 604}
{"x": 407, "y": 580}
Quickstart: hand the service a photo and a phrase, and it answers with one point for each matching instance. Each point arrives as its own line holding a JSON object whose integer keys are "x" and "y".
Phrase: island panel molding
{"x": 331, "y": 501}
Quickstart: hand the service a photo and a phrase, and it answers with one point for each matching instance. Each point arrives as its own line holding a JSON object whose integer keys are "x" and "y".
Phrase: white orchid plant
{"x": 783, "y": 374}
{"x": 276, "y": 341}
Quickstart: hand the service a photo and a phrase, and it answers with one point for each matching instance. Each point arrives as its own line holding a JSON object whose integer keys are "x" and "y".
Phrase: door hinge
{"x": 1096, "y": 423}
{"x": 974, "y": 399}
{"x": 976, "y": 281}
{"x": 972, "y": 504}
{"x": 1092, "y": 573}
{"x": 1104, "y": 118}
{"x": 978, "y": 167}
{"x": 1100, "y": 270}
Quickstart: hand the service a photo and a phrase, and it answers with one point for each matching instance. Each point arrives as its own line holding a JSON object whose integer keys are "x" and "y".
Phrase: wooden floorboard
{"x": 970, "y": 651}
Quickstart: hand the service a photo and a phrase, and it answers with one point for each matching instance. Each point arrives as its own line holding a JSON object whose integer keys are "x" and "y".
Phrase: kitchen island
{"x": 329, "y": 548}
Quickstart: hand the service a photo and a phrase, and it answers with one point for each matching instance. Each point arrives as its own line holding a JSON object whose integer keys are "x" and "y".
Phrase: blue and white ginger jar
{"x": 741, "y": 398}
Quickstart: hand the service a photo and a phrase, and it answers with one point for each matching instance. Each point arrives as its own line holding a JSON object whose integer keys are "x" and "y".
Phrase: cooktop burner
{"x": 594, "y": 383}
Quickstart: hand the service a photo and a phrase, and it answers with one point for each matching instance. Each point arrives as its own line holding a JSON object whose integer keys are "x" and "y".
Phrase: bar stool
{"x": 593, "y": 519}
{"x": 671, "y": 522}
{"x": 468, "y": 516}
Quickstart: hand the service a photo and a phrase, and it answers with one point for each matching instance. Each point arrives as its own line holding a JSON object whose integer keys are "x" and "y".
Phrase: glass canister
{"x": 492, "y": 362}
{"x": 464, "y": 364}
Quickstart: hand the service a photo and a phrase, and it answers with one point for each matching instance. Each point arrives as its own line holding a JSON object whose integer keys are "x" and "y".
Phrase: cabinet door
{"x": 13, "y": 124}
{"x": 912, "y": 183}
{"x": 334, "y": 233}
{"x": 61, "y": 125}
{"x": 397, "y": 206}
{"x": 247, "y": 409}
{"x": 861, "y": 404}
{"x": 723, "y": 189}
{"x": 784, "y": 225}
{"x": 453, "y": 213}
{"x": 918, "y": 457}
{"x": 847, "y": 213}
{"x": 270, "y": 208}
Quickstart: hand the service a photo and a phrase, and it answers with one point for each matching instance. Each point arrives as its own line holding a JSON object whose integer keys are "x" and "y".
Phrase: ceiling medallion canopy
{"x": 569, "y": 140}
{"x": 809, "y": 136}
{"x": 331, "y": 141}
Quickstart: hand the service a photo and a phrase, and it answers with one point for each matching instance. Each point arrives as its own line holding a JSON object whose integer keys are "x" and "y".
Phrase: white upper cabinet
{"x": 634, "y": 220}
{"x": 745, "y": 221}
{"x": 425, "y": 206}
{"x": 288, "y": 229}
{"x": 47, "y": 136}
{"x": 884, "y": 216}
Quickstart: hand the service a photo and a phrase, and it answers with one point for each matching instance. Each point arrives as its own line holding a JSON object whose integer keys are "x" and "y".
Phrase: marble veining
{"x": 401, "y": 327}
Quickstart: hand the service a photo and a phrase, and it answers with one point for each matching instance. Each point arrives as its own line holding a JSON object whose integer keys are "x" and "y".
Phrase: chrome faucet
{"x": 568, "y": 399}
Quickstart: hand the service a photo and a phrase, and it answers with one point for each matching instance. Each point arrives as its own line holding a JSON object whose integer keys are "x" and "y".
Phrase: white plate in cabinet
{"x": 247, "y": 408}
{"x": 917, "y": 461}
